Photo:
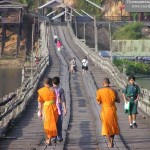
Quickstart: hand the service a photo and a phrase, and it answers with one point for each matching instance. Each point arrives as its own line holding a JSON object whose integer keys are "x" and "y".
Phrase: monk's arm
{"x": 98, "y": 98}
{"x": 40, "y": 106}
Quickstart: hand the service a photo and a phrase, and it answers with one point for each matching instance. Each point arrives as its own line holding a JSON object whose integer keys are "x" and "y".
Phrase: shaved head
{"x": 106, "y": 81}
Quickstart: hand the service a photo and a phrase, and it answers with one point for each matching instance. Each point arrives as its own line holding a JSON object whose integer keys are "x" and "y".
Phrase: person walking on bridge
{"x": 59, "y": 44}
{"x": 73, "y": 65}
{"x": 55, "y": 39}
{"x": 131, "y": 95}
{"x": 84, "y": 65}
{"x": 61, "y": 106}
{"x": 107, "y": 97}
{"x": 48, "y": 110}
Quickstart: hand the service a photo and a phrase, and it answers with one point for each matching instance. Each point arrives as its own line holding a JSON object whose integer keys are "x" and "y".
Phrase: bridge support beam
{"x": 95, "y": 32}
{"x": 3, "y": 39}
{"x": 18, "y": 40}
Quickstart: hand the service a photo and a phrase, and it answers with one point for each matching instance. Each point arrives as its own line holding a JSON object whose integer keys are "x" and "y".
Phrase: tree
{"x": 92, "y": 10}
{"x": 130, "y": 31}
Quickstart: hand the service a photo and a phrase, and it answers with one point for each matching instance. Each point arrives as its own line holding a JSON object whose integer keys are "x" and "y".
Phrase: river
{"x": 144, "y": 82}
{"x": 10, "y": 80}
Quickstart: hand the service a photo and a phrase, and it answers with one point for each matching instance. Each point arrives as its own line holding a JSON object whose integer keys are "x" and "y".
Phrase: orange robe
{"x": 50, "y": 112}
{"x": 106, "y": 97}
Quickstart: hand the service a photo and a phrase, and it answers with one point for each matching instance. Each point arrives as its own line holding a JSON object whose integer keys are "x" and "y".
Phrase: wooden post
{"x": 110, "y": 41}
{"x": 95, "y": 28}
{"x": 76, "y": 27}
{"x": 3, "y": 39}
{"x": 23, "y": 74}
{"x": 32, "y": 54}
{"x": 84, "y": 33}
{"x": 18, "y": 40}
{"x": 1, "y": 52}
{"x": 43, "y": 11}
{"x": 65, "y": 13}
{"x": 71, "y": 13}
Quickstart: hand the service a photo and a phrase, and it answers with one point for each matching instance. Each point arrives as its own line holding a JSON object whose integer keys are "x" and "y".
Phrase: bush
{"x": 131, "y": 31}
{"x": 132, "y": 67}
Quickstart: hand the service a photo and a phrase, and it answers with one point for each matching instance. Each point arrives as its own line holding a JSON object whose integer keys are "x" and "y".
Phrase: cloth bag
{"x": 126, "y": 106}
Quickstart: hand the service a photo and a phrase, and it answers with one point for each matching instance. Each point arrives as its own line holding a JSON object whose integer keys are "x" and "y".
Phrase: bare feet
{"x": 47, "y": 142}
{"x": 110, "y": 145}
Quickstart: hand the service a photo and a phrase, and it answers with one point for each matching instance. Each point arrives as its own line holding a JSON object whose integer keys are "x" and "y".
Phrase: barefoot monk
{"x": 48, "y": 110}
{"x": 107, "y": 97}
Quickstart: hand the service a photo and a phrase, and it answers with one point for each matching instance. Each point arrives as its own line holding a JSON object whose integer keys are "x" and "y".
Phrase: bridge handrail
{"x": 14, "y": 108}
{"x": 119, "y": 78}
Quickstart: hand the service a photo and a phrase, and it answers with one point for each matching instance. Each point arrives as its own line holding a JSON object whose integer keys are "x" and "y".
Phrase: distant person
{"x": 61, "y": 106}
{"x": 84, "y": 65}
{"x": 131, "y": 94}
{"x": 55, "y": 39}
{"x": 48, "y": 110}
{"x": 59, "y": 44}
{"x": 73, "y": 65}
{"x": 36, "y": 59}
{"x": 106, "y": 97}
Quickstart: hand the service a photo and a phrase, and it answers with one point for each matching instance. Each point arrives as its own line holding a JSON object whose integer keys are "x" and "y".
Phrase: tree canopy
{"x": 89, "y": 8}
{"x": 131, "y": 31}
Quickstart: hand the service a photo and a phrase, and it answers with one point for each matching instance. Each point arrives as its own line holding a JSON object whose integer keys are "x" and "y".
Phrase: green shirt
{"x": 132, "y": 90}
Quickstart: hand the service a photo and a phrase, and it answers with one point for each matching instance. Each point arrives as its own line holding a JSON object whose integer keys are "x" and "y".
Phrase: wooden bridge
{"x": 21, "y": 129}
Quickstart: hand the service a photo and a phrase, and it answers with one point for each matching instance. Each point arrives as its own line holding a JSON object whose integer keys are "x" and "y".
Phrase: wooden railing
{"x": 119, "y": 78}
{"x": 12, "y": 107}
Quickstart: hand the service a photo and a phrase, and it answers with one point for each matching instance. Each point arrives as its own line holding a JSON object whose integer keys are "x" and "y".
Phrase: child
{"x": 73, "y": 65}
{"x": 59, "y": 45}
{"x": 61, "y": 106}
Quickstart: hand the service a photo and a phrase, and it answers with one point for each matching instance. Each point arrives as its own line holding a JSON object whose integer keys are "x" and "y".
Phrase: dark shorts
{"x": 85, "y": 67}
{"x": 133, "y": 108}
{"x": 55, "y": 41}
{"x": 75, "y": 68}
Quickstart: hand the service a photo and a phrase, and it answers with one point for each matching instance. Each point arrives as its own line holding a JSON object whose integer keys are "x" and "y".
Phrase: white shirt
{"x": 55, "y": 36}
{"x": 84, "y": 62}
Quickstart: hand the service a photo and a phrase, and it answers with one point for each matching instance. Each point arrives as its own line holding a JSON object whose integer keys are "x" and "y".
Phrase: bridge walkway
{"x": 133, "y": 139}
{"x": 27, "y": 132}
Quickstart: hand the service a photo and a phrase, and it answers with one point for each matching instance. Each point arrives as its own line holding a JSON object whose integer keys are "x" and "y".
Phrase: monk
{"x": 107, "y": 97}
{"x": 48, "y": 110}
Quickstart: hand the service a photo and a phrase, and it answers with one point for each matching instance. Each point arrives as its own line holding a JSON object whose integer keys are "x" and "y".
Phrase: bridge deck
{"x": 27, "y": 133}
{"x": 133, "y": 138}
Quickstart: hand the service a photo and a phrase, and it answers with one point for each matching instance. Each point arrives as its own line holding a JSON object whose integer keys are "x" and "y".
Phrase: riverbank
{"x": 11, "y": 63}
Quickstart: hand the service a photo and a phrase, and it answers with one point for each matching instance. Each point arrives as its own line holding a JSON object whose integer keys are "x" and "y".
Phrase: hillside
{"x": 112, "y": 7}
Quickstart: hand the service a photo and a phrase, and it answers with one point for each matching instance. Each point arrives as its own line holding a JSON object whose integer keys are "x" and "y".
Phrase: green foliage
{"x": 32, "y": 4}
{"x": 134, "y": 15}
{"x": 129, "y": 32}
{"x": 132, "y": 67}
{"x": 89, "y": 8}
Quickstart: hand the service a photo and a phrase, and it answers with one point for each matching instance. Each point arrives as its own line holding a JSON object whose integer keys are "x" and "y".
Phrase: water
{"x": 144, "y": 82}
{"x": 10, "y": 80}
